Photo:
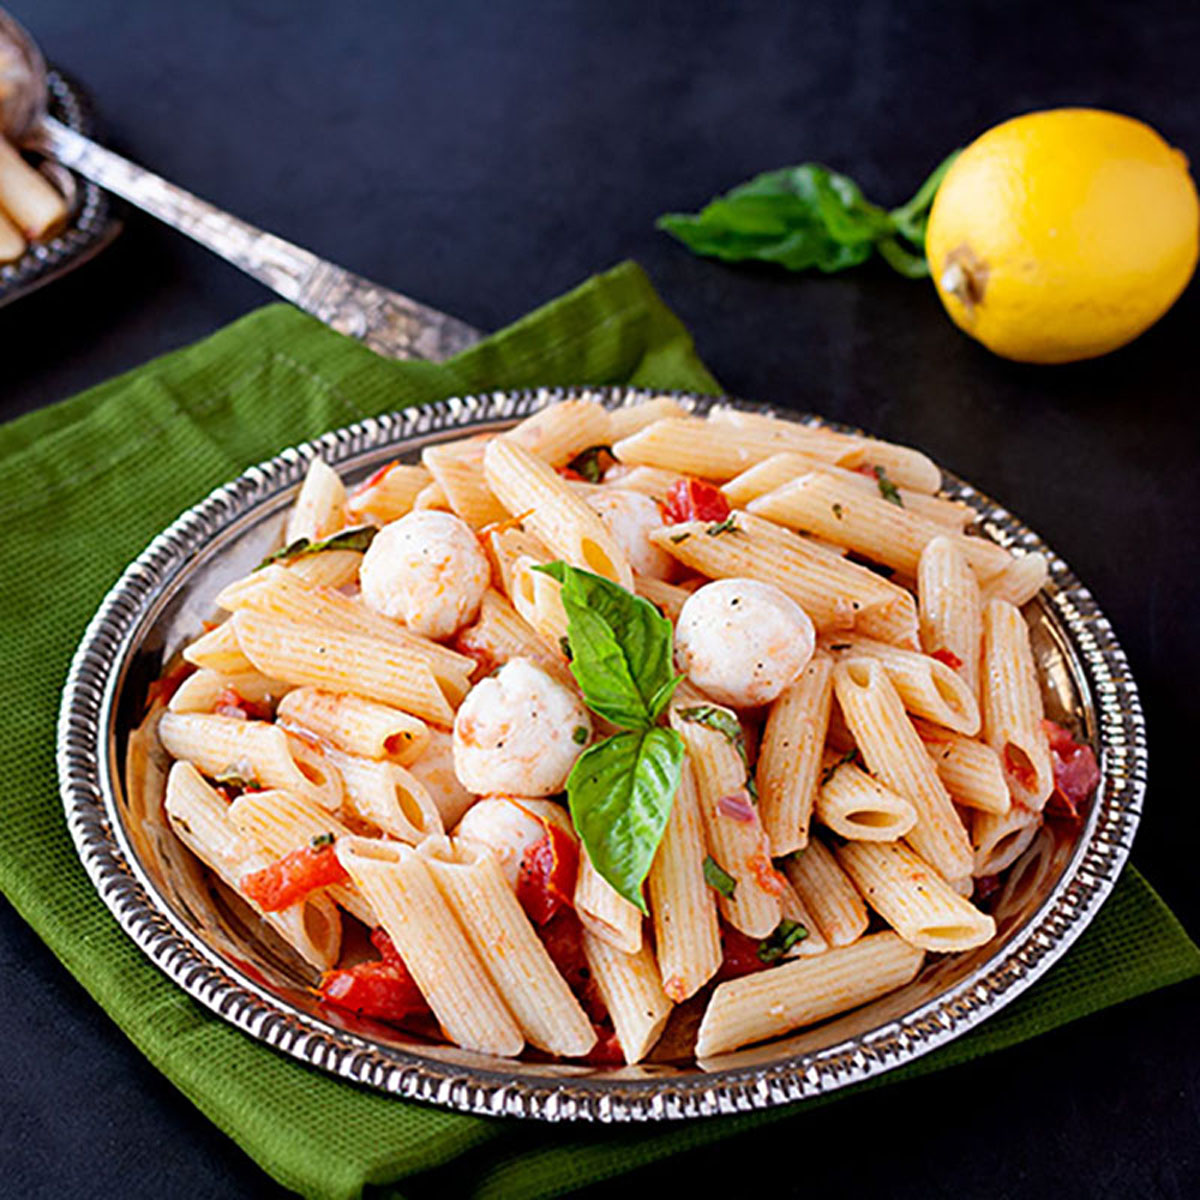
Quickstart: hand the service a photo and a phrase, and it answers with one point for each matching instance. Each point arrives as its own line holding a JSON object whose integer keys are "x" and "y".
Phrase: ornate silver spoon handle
{"x": 391, "y": 324}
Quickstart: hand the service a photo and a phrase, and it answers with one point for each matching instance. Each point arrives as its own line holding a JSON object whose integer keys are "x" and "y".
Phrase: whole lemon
{"x": 1063, "y": 234}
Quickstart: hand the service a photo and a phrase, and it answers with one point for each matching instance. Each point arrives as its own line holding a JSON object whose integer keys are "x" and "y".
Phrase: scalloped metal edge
{"x": 88, "y": 797}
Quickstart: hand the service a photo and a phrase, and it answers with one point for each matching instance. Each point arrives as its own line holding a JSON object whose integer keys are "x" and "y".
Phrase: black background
{"x": 484, "y": 157}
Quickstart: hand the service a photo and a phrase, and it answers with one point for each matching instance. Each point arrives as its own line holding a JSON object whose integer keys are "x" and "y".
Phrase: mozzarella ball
{"x": 509, "y": 825}
{"x": 629, "y": 517}
{"x": 435, "y": 769}
{"x": 743, "y": 642}
{"x": 519, "y": 731}
{"x": 428, "y": 570}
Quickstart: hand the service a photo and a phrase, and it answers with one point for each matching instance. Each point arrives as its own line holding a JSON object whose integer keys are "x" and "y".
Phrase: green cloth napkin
{"x": 87, "y": 483}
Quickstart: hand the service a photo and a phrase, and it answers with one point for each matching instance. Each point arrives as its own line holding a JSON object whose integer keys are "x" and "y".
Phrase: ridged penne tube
{"x": 320, "y": 508}
{"x": 789, "y": 757}
{"x": 732, "y": 828}
{"x": 1001, "y": 838}
{"x": 388, "y": 797}
{"x": 256, "y": 751}
{"x": 836, "y": 594}
{"x": 557, "y": 516}
{"x": 431, "y": 496}
{"x": 860, "y": 808}
{"x": 502, "y": 633}
{"x": 218, "y": 649}
{"x": 200, "y": 819}
{"x": 280, "y": 593}
{"x": 279, "y": 823}
{"x": 1012, "y": 705}
{"x": 342, "y": 662}
{"x": 27, "y": 196}
{"x": 204, "y": 689}
{"x": 950, "y": 609}
{"x": 355, "y": 725}
{"x": 387, "y": 495}
{"x": 12, "y": 243}
{"x": 505, "y": 546}
{"x": 458, "y": 469}
{"x": 826, "y": 891}
{"x": 397, "y": 884}
{"x": 603, "y": 911}
{"x": 687, "y": 938}
{"x": 886, "y": 533}
{"x": 666, "y": 597}
{"x": 913, "y": 899}
{"x": 630, "y": 988}
{"x": 794, "y": 909}
{"x": 627, "y": 420}
{"x": 771, "y": 1003}
{"x": 927, "y": 687}
{"x": 896, "y": 755}
{"x": 1020, "y": 581}
{"x": 970, "y": 769}
{"x": 650, "y": 481}
{"x": 905, "y": 466}
{"x": 330, "y": 569}
{"x": 559, "y": 432}
{"x": 768, "y": 475}
{"x": 691, "y": 447}
{"x": 471, "y": 881}
{"x": 538, "y": 600}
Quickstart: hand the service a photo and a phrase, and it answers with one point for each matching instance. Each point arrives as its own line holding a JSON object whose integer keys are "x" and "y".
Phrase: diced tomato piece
{"x": 562, "y": 936}
{"x": 161, "y": 690}
{"x": 765, "y": 874}
{"x": 546, "y": 881}
{"x": 230, "y": 703}
{"x": 384, "y": 990}
{"x": 949, "y": 658}
{"x": 985, "y": 887}
{"x": 382, "y": 941}
{"x": 740, "y": 954}
{"x": 289, "y": 879}
{"x": 1076, "y": 772}
{"x": 570, "y": 473}
{"x": 694, "y": 500}
{"x": 607, "y": 1051}
{"x": 467, "y": 643}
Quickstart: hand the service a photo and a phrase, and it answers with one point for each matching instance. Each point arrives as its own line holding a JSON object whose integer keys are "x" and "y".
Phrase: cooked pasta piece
{"x": 789, "y": 758}
{"x": 387, "y": 797}
{"x": 27, "y": 197}
{"x": 342, "y": 662}
{"x": 254, "y": 751}
{"x": 768, "y": 1004}
{"x": 557, "y": 516}
{"x": 627, "y": 420}
{"x": 330, "y": 569}
{"x": 826, "y": 891}
{"x": 895, "y": 754}
{"x": 320, "y": 508}
{"x": 687, "y": 937}
{"x": 1001, "y": 838}
{"x": 650, "y": 481}
{"x": 431, "y": 496}
{"x": 397, "y": 883}
{"x": 668, "y": 598}
{"x": 12, "y": 244}
{"x": 560, "y": 431}
{"x": 926, "y": 686}
{"x": 794, "y": 909}
{"x": 203, "y": 690}
{"x": 355, "y": 725}
{"x": 388, "y": 494}
{"x": 501, "y": 633}
{"x": 199, "y": 817}
{"x": 470, "y": 880}
{"x": 913, "y": 899}
{"x": 860, "y": 808}
{"x": 970, "y": 769}
{"x": 950, "y": 609}
{"x": 218, "y": 649}
{"x": 457, "y": 467}
{"x": 279, "y": 823}
{"x": 1012, "y": 705}
{"x": 603, "y": 911}
{"x": 1020, "y": 581}
{"x": 631, "y": 991}
{"x": 733, "y": 831}
{"x": 538, "y": 600}
{"x": 506, "y": 545}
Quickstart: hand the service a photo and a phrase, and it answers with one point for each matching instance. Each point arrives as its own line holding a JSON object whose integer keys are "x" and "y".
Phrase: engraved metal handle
{"x": 391, "y": 324}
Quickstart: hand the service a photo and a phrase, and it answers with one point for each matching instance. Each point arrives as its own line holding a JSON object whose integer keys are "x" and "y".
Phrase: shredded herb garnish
{"x": 887, "y": 489}
{"x": 829, "y": 772}
{"x": 841, "y": 646}
{"x": 676, "y": 538}
{"x": 348, "y": 539}
{"x": 587, "y": 463}
{"x": 729, "y": 525}
{"x": 564, "y": 644}
{"x": 231, "y": 779}
{"x": 321, "y": 840}
{"x": 579, "y": 734}
{"x": 785, "y": 935}
{"x": 837, "y": 511}
{"x": 718, "y": 878}
{"x": 724, "y": 722}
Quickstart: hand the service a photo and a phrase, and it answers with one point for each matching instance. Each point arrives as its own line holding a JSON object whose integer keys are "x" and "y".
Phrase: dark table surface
{"x": 484, "y": 157}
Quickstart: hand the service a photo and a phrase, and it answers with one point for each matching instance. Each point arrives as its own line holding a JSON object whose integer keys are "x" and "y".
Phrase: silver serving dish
{"x": 91, "y": 224}
{"x": 112, "y": 785}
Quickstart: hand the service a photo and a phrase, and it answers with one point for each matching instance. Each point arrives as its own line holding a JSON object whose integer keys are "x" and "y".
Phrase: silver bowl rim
{"x": 89, "y": 799}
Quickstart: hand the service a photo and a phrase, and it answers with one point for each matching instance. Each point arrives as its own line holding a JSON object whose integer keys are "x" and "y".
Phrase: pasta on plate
{"x": 615, "y": 717}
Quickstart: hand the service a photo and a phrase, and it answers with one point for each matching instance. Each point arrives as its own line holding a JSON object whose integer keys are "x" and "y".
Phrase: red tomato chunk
{"x": 288, "y": 880}
{"x": 948, "y": 657}
{"x": 546, "y": 881}
{"x": 384, "y": 990}
{"x": 1076, "y": 772}
{"x": 694, "y": 500}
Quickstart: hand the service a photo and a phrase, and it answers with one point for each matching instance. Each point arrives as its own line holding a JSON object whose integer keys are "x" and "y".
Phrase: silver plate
{"x": 91, "y": 224}
{"x": 111, "y": 781}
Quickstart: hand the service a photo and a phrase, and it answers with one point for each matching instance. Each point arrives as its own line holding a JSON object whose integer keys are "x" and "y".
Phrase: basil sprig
{"x": 809, "y": 216}
{"x": 620, "y": 789}
{"x": 348, "y": 539}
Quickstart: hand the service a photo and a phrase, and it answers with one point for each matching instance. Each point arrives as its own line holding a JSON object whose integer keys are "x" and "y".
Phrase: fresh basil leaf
{"x": 718, "y": 878}
{"x": 349, "y": 539}
{"x": 620, "y": 647}
{"x": 784, "y": 936}
{"x": 620, "y": 792}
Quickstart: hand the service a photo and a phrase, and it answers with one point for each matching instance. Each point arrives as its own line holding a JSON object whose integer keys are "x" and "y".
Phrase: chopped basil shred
{"x": 729, "y": 525}
{"x": 349, "y": 539}
{"x": 718, "y": 878}
{"x": 587, "y": 463}
{"x": 713, "y": 716}
{"x": 832, "y": 769}
{"x": 676, "y": 538}
{"x": 837, "y": 511}
{"x": 785, "y": 935}
{"x": 887, "y": 489}
{"x": 321, "y": 840}
{"x": 579, "y": 735}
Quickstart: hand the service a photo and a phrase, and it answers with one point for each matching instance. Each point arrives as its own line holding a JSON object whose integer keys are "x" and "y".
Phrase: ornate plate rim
{"x": 88, "y": 799}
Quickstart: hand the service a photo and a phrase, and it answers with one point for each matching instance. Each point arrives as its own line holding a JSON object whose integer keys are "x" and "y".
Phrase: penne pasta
{"x": 501, "y": 633}
{"x": 793, "y": 909}
{"x": 457, "y": 468}
{"x": 386, "y": 797}
{"x": 332, "y": 569}
{"x": 668, "y": 598}
{"x": 826, "y": 891}
{"x": 204, "y": 690}
{"x": 1020, "y": 581}
{"x": 629, "y": 419}
{"x": 768, "y": 1004}
{"x": 320, "y": 508}
{"x": 357, "y": 726}
{"x": 950, "y": 609}
{"x": 559, "y": 432}
{"x": 603, "y": 911}
{"x": 27, "y": 197}
{"x": 538, "y": 601}
{"x": 434, "y": 771}
{"x": 388, "y": 495}
{"x": 218, "y": 650}
{"x": 12, "y": 244}
{"x": 913, "y": 899}
{"x": 970, "y": 769}
{"x": 650, "y": 481}
{"x": 630, "y": 988}
{"x": 999, "y": 839}
{"x": 860, "y": 808}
